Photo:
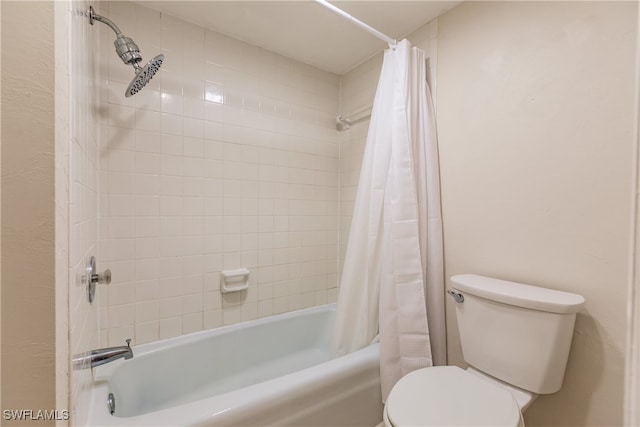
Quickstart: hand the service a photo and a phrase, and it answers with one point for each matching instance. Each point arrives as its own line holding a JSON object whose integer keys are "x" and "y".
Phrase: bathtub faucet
{"x": 98, "y": 357}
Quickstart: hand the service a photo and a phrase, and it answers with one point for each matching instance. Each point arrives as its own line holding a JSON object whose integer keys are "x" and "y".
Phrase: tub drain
{"x": 111, "y": 403}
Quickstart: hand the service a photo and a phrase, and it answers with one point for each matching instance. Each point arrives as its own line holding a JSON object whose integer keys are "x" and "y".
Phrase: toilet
{"x": 515, "y": 339}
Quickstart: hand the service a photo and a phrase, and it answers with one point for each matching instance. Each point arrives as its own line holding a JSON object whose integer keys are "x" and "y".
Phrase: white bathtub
{"x": 274, "y": 371}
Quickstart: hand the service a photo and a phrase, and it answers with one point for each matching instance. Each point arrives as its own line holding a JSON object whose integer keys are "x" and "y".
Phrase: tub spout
{"x": 93, "y": 358}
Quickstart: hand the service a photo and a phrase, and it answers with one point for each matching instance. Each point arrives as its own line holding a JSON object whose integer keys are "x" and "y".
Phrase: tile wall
{"x": 82, "y": 186}
{"x": 229, "y": 158}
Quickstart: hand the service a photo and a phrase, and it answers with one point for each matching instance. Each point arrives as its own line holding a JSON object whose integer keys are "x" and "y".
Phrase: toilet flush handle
{"x": 456, "y": 296}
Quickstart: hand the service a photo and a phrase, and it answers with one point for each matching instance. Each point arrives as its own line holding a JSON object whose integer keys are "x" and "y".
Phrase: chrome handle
{"x": 92, "y": 277}
{"x": 104, "y": 278}
{"x": 456, "y": 296}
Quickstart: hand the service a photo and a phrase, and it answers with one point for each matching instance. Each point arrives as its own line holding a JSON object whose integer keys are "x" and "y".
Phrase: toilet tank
{"x": 520, "y": 334}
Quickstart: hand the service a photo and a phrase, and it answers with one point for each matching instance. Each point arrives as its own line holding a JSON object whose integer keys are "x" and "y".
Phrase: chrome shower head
{"x": 143, "y": 75}
{"x": 129, "y": 52}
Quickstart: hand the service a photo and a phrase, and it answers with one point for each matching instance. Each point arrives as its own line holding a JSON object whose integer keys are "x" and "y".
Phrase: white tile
{"x": 171, "y": 185}
{"x": 213, "y": 131}
{"x": 212, "y": 300}
{"x": 118, "y": 294}
{"x": 147, "y": 226}
{"x": 146, "y": 311}
{"x": 192, "y": 322}
{"x": 121, "y": 227}
{"x": 228, "y": 158}
{"x": 231, "y": 261}
{"x": 170, "y": 327}
{"x": 171, "y": 247}
{"x": 120, "y": 205}
{"x": 193, "y": 88}
{"x": 121, "y": 315}
{"x": 192, "y": 226}
{"x": 168, "y": 288}
{"x": 123, "y": 271}
{"x": 147, "y": 205}
{"x": 147, "y": 332}
{"x": 193, "y": 186}
{"x": 192, "y": 206}
{"x": 249, "y": 311}
{"x": 148, "y": 99}
{"x": 146, "y": 290}
{"x": 147, "y": 163}
{"x": 265, "y": 308}
{"x": 118, "y": 335}
{"x": 193, "y": 167}
{"x": 213, "y": 111}
{"x": 121, "y": 183}
{"x": 170, "y": 267}
{"x": 120, "y": 249}
{"x": 232, "y": 224}
{"x": 232, "y": 315}
{"x": 192, "y": 267}
{"x": 214, "y": 92}
{"x": 192, "y": 245}
{"x": 171, "y": 123}
{"x": 147, "y": 248}
{"x": 192, "y": 303}
{"x": 146, "y": 269}
{"x": 194, "y": 127}
{"x": 212, "y": 319}
{"x": 146, "y": 184}
{"x": 194, "y": 107}
{"x": 171, "y": 226}
{"x": 147, "y": 120}
{"x": 214, "y": 72}
{"x": 148, "y": 141}
{"x": 193, "y": 147}
{"x": 171, "y": 144}
{"x": 213, "y": 225}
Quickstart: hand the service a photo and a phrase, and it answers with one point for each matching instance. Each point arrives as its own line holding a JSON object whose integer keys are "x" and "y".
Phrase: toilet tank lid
{"x": 519, "y": 294}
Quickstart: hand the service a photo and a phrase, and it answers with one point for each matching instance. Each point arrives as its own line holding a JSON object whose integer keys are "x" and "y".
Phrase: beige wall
{"x": 535, "y": 122}
{"x": 28, "y": 314}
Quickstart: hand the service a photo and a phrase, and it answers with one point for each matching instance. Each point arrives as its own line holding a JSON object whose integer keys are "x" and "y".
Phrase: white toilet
{"x": 516, "y": 340}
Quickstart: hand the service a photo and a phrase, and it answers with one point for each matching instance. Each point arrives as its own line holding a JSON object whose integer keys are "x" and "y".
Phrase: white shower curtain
{"x": 394, "y": 250}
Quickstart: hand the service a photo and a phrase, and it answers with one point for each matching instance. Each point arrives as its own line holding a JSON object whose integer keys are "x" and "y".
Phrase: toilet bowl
{"x": 450, "y": 396}
{"x": 516, "y": 339}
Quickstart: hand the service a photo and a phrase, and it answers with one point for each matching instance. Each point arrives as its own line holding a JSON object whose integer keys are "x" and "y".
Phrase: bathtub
{"x": 274, "y": 371}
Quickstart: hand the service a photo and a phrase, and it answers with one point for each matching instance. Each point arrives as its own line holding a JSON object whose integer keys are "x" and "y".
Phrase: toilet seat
{"x": 449, "y": 396}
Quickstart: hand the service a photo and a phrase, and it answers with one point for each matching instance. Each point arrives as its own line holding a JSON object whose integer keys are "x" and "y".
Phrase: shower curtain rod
{"x": 391, "y": 41}
{"x": 344, "y": 122}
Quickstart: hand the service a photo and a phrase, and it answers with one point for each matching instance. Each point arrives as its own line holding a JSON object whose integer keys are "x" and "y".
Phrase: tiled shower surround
{"x": 229, "y": 158}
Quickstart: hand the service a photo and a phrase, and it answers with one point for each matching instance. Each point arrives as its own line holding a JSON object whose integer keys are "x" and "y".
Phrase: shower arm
{"x": 126, "y": 48}
{"x": 93, "y": 16}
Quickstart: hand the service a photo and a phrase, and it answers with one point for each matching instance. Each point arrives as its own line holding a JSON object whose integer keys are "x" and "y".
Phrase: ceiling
{"x": 306, "y": 31}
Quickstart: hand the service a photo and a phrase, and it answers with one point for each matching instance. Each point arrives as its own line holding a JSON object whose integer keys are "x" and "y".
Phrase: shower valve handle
{"x": 104, "y": 278}
{"x": 92, "y": 277}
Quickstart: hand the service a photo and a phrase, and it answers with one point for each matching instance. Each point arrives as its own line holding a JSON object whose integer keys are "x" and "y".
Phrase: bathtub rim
{"x": 204, "y": 409}
{"x": 154, "y": 346}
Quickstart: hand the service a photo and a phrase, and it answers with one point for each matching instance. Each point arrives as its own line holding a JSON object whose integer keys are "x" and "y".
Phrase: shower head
{"x": 129, "y": 52}
{"x": 143, "y": 75}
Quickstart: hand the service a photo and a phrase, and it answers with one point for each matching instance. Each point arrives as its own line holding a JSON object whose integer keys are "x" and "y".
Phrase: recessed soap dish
{"x": 234, "y": 280}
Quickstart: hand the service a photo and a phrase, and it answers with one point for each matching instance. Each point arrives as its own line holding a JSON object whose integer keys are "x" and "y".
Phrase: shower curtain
{"x": 394, "y": 254}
